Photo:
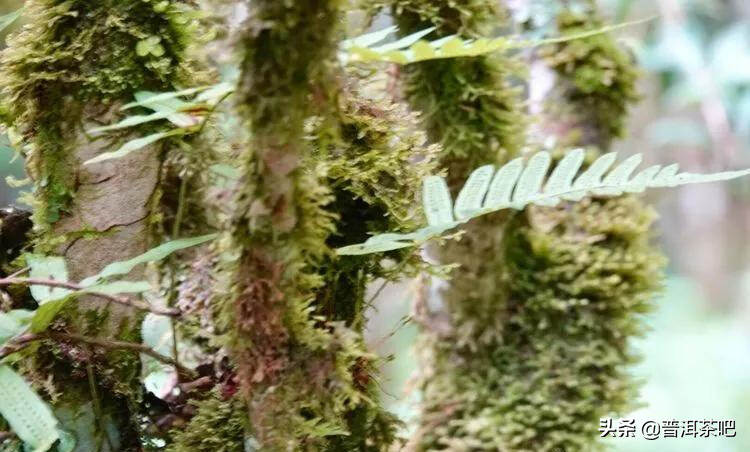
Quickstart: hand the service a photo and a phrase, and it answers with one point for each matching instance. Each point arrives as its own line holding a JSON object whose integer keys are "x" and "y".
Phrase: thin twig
{"x": 396, "y": 270}
{"x": 26, "y": 339}
{"x": 19, "y": 272}
{"x": 78, "y": 287}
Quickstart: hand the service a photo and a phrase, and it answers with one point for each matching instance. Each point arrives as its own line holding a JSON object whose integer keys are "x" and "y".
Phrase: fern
{"x": 515, "y": 186}
{"x": 188, "y": 116}
{"x": 26, "y": 413}
{"x": 413, "y": 49}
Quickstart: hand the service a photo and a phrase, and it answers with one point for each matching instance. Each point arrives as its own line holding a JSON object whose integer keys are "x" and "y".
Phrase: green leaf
{"x": 47, "y": 267}
{"x": 217, "y": 92}
{"x": 502, "y": 184}
{"x": 531, "y": 178}
{"x": 8, "y": 19}
{"x": 26, "y": 413}
{"x": 369, "y": 39}
{"x": 404, "y": 42}
{"x": 562, "y": 176}
{"x": 13, "y": 323}
{"x": 412, "y": 49}
{"x": 133, "y": 145}
{"x": 172, "y": 107}
{"x": 157, "y": 334}
{"x": 515, "y": 187}
{"x": 45, "y": 314}
{"x": 155, "y": 254}
{"x": 131, "y": 121}
{"x": 591, "y": 177}
{"x": 148, "y": 99}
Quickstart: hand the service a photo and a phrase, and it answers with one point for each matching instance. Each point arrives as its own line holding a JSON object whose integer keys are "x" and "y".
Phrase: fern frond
{"x": 412, "y": 48}
{"x": 516, "y": 185}
{"x": 186, "y": 116}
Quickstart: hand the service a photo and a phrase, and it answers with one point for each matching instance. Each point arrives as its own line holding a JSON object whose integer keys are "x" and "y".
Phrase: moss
{"x": 530, "y": 346}
{"x": 579, "y": 277}
{"x": 72, "y": 53}
{"x": 68, "y": 67}
{"x": 218, "y": 426}
{"x": 599, "y": 79}
{"x": 375, "y": 165}
{"x": 295, "y": 362}
{"x": 470, "y": 105}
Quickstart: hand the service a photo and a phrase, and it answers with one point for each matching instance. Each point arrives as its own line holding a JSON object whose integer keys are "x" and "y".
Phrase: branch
{"x": 26, "y": 339}
{"x": 77, "y": 287}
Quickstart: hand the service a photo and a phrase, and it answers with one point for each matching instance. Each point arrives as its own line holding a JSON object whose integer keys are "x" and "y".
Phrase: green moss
{"x": 218, "y": 426}
{"x": 600, "y": 79}
{"x": 530, "y": 346}
{"x": 579, "y": 277}
{"x": 72, "y": 53}
{"x": 470, "y": 105}
{"x": 375, "y": 165}
{"x": 295, "y": 360}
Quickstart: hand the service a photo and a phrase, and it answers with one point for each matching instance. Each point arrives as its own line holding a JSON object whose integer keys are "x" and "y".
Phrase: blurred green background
{"x": 695, "y": 111}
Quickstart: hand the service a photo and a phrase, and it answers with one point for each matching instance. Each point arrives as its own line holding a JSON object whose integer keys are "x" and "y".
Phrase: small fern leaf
{"x": 369, "y": 39}
{"x": 438, "y": 206}
{"x": 665, "y": 177}
{"x": 516, "y": 186}
{"x": 532, "y": 178}
{"x": 8, "y": 19}
{"x": 149, "y": 99}
{"x": 131, "y": 121}
{"x": 470, "y": 198}
{"x": 133, "y": 145}
{"x": 369, "y": 248}
{"x": 13, "y": 323}
{"x": 26, "y": 413}
{"x": 501, "y": 188}
{"x": 153, "y": 255}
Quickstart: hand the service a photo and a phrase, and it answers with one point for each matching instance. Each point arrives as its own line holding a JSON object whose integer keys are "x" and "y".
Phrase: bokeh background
{"x": 696, "y": 111}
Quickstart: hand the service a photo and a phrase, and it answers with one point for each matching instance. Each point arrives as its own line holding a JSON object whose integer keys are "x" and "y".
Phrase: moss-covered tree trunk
{"x": 531, "y": 345}
{"x": 295, "y": 314}
{"x": 66, "y": 72}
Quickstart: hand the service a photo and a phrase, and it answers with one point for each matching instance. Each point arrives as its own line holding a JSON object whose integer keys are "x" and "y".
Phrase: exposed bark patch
{"x": 112, "y": 205}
